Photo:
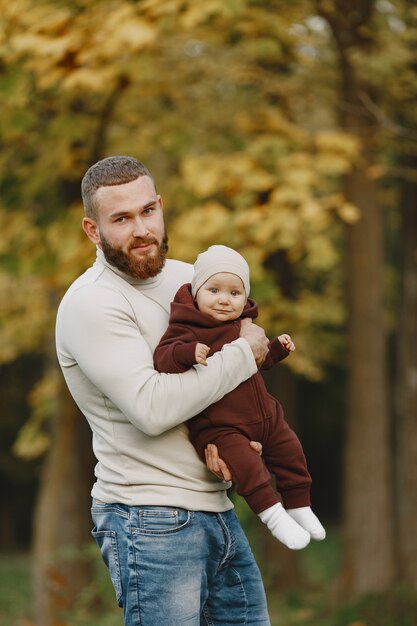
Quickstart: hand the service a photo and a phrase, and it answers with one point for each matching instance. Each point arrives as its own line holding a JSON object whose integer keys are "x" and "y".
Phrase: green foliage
{"x": 15, "y": 588}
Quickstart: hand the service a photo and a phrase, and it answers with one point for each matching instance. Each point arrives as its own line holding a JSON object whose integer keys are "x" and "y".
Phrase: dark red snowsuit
{"x": 249, "y": 413}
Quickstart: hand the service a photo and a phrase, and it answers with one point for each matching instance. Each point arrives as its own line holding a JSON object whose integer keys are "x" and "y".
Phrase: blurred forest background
{"x": 288, "y": 130}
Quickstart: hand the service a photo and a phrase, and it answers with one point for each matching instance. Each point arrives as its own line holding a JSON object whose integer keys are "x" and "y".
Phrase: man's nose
{"x": 139, "y": 228}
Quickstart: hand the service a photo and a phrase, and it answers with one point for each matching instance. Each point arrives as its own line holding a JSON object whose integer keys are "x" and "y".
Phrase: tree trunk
{"x": 62, "y": 521}
{"x": 406, "y": 400}
{"x": 368, "y": 564}
{"x": 368, "y": 521}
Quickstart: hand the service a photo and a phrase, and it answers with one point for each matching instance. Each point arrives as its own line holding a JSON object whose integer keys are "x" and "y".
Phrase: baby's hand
{"x": 201, "y": 352}
{"x": 287, "y": 342}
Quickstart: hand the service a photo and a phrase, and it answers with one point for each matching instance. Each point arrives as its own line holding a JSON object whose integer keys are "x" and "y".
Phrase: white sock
{"x": 284, "y": 528}
{"x": 305, "y": 517}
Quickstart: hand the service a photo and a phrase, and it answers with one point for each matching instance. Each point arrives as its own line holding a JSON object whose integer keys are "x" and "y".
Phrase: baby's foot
{"x": 284, "y": 528}
{"x": 305, "y": 517}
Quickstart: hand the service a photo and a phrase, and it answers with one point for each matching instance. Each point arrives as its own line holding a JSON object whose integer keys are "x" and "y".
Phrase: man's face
{"x": 130, "y": 227}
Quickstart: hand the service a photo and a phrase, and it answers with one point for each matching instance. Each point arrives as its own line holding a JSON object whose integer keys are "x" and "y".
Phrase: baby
{"x": 205, "y": 315}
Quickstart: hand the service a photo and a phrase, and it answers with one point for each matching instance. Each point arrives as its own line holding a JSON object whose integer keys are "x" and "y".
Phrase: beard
{"x": 143, "y": 267}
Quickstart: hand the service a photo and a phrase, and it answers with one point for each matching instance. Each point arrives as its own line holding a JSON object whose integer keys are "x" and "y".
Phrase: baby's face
{"x": 222, "y": 297}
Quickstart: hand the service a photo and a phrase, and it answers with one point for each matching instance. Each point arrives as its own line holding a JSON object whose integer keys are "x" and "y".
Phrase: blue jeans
{"x": 173, "y": 567}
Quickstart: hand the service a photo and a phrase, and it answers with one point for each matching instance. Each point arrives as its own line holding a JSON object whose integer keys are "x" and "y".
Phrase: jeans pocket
{"x": 107, "y": 542}
{"x": 162, "y": 521}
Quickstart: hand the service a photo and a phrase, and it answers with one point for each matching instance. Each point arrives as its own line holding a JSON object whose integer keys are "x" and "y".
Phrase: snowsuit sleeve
{"x": 276, "y": 353}
{"x": 175, "y": 353}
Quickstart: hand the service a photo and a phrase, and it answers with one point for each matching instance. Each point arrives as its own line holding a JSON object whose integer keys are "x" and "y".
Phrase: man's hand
{"x": 201, "y": 352}
{"x": 256, "y": 338}
{"x": 218, "y": 466}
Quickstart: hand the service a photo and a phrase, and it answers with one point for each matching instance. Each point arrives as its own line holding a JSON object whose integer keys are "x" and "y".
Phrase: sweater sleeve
{"x": 276, "y": 353}
{"x": 176, "y": 351}
{"x": 98, "y": 333}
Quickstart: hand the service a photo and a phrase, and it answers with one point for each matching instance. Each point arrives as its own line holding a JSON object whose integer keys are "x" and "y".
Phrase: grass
{"x": 312, "y": 605}
{"x": 305, "y": 605}
{"x": 318, "y": 602}
{"x": 15, "y": 589}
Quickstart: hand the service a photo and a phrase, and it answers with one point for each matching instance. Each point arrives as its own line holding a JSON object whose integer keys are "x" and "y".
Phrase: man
{"x": 167, "y": 532}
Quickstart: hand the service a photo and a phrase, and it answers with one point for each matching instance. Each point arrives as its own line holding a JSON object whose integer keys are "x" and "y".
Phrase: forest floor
{"x": 313, "y": 604}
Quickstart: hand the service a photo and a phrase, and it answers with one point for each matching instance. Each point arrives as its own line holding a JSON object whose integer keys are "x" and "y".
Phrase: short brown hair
{"x": 114, "y": 170}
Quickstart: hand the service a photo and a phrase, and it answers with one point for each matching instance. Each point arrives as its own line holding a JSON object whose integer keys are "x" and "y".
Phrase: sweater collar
{"x": 148, "y": 282}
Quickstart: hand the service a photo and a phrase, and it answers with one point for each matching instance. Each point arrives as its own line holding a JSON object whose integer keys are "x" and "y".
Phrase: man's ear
{"x": 90, "y": 228}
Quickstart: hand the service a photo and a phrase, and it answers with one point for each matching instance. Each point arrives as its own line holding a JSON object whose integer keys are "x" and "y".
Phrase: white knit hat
{"x": 219, "y": 259}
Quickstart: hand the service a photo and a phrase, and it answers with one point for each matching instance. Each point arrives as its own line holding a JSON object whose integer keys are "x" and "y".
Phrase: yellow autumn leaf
{"x": 17, "y": 231}
{"x": 315, "y": 215}
{"x": 242, "y": 171}
{"x": 200, "y": 227}
{"x": 91, "y": 79}
{"x": 160, "y": 8}
{"x": 270, "y": 226}
{"x": 31, "y": 442}
{"x": 337, "y": 142}
{"x": 289, "y": 195}
{"x": 349, "y": 212}
{"x": 273, "y": 124}
{"x": 198, "y": 11}
{"x": 336, "y": 152}
{"x": 312, "y": 308}
{"x": 201, "y": 175}
{"x": 321, "y": 253}
{"x": 255, "y": 256}
{"x": 135, "y": 33}
{"x": 246, "y": 221}
{"x": 206, "y": 175}
{"x": 124, "y": 32}
{"x": 51, "y": 20}
{"x": 296, "y": 174}
{"x": 25, "y": 43}
{"x": 328, "y": 164}
{"x": 44, "y": 17}
{"x": 22, "y": 299}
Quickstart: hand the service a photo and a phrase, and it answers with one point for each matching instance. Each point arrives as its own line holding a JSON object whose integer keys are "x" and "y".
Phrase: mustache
{"x": 140, "y": 241}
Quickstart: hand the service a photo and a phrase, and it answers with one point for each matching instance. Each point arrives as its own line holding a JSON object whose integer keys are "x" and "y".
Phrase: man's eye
{"x": 120, "y": 219}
